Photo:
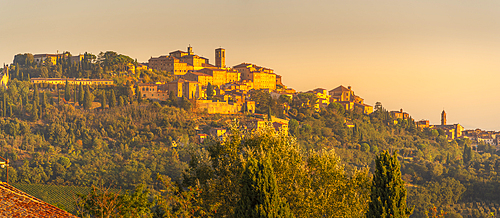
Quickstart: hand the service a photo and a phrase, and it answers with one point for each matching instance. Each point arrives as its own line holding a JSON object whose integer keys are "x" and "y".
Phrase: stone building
{"x": 179, "y": 62}
{"x": 73, "y": 81}
{"x": 262, "y": 78}
{"x": 185, "y": 88}
{"x": 452, "y": 131}
{"x": 154, "y": 91}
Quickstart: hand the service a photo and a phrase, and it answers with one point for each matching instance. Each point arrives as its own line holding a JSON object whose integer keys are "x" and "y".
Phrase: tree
{"x": 81, "y": 95}
{"x": 388, "y": 194}
{"x": 121, "y": 102}
{"x": 58, "y": 95}
{"x": 106, "y": 202}
{"x": 103, "y": 100}
{"x": 210, "y": 91}
{"x": 467, "y": 156}
{"x": 67, "y": 92}
{"x": 88, "y": 99}
{"x": 75, "y": 97}
{"x": 138, "y": 95}
{"x": 112, "y": 99}
{"x": 259, "y": 192}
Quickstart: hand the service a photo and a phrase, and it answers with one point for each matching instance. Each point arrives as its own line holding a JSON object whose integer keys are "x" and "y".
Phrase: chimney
{"x": 401, "y": 110}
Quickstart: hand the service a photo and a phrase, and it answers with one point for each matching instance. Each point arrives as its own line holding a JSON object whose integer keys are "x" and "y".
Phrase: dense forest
{"x": 107, "y": 136}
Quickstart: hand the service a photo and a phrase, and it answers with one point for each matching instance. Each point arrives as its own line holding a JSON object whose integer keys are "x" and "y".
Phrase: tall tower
{"x": 220, "y": 57}
{"x": 190, "y": 50}
{"x": 443, "y": 118}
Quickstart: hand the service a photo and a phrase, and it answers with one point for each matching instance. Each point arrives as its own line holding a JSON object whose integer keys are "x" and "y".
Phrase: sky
{"x": 422, "y": 56}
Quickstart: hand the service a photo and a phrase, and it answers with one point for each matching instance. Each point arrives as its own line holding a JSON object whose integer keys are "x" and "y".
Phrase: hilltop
{"x": 75, "y": 129}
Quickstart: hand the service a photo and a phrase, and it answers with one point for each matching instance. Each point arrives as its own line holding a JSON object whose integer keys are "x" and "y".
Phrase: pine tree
{"x": 112, "y": 99}
{"x": 259, "y": 192}
{"x": 88, "y": 98}
{"x": 103, "y": 100}
{"x": 67, "y": 92}
{"x": 10, "y": 111}
{"x": 81, "y": 95}
{"x": 388, "y": 194}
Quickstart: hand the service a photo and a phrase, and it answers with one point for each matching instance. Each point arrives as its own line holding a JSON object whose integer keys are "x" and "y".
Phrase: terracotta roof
{"x": 15, "y": 203}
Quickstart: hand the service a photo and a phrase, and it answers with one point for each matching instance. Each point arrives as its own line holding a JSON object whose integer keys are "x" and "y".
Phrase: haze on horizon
{"x": 422, "y": 56}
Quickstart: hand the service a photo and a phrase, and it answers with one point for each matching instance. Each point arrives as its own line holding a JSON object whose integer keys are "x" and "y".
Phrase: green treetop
{"x": 103, "y": 100}
{"x": 88, "y": 99}
{"x": 259, "y": 192}
{"x": 67, "y": 92}
{"x": 112, "y": 99}
{"x": 210, "y": 91}
{"x": 388, "y": 195}
{"x": 81, "y": 95}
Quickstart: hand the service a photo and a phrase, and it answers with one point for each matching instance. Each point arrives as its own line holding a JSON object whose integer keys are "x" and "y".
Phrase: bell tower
{"x": 220, "y": 57}
{"x": 190, "y": 50}
{"x": 443, "y": 118}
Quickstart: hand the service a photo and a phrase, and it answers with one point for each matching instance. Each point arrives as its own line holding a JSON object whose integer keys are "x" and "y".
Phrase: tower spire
{"x": 443, "y": 118}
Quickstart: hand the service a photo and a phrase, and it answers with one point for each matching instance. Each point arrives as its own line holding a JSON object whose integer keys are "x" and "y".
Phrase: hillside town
{"x": 180, "y": 103}
{"x": 219, "y": 89}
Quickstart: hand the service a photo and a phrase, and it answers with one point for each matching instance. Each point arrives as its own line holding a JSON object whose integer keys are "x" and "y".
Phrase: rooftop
{"x": 15, "y": 203}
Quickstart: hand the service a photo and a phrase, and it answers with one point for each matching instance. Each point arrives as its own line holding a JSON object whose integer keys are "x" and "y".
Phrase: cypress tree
{"x": 75, "y": 98}
{"x": 67, "y": 92}
{"x": 4, "y": 105}
{"x": 138, "y": 95}
{"x": 45, "y": 100}
{"x": 112, "y": 99}
{"x": 467, "y": 156}
{"x": 121, "y": 102}
{"x": 388, "y": 194}
{"x": 103, "y": 100}
{"x": 259, "y": 192}
{"x": 81, "y": 95}
{"x": 210, "y": 91}
{"x": 88, "y": 98}
{"x": 58, "y": 95}
{"x": 36, "y": 97}
{"x": 17, "y": 71}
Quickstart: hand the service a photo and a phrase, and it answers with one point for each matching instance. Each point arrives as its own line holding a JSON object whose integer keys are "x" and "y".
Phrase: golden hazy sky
{"x": 422, "y": 56}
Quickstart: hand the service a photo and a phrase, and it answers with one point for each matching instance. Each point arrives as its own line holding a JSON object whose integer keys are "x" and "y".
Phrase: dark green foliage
{"x": 259, "y": 192}
{"x": 112, "y": 99}
{"x": 58, "y": 95}
{"x": 210, "y": 91}
{"x": 88, "y": 99}
{"x": 467, "y": 155}
{"x": 185, "y": 104}
{"x": 67, "y": 92}
{"x": 103, "y": 100}
{"x": 121, "y": 102}
{"x": 81, "y": 95}
{"x": 138, "y": 95}
{"x": 388, "y": 195}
